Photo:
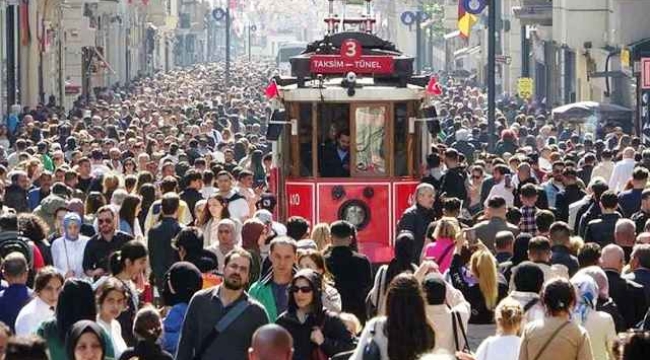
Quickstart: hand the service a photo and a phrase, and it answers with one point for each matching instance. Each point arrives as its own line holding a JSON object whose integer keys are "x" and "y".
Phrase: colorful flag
{"x": 271, "y": 91}
{"x": 465, "y": 20}
{"x": 433, "y": 87}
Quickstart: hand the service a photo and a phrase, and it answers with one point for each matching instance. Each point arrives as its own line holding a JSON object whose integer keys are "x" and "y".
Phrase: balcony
{"x": 534, "y": 12}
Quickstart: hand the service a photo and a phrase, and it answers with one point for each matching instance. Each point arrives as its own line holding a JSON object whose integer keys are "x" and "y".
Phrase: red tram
{"x": 354, "y": 83}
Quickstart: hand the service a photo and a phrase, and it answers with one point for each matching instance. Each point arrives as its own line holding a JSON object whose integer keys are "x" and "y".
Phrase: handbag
{"x": 221, "y": 325}
{"x": 457, "y": 322}
{"x": 371, "y": 349}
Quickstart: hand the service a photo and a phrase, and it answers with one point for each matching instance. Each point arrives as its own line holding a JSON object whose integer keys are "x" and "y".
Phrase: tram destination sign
{"x": 351, "y": 58}
{"x": 335, "y": 64}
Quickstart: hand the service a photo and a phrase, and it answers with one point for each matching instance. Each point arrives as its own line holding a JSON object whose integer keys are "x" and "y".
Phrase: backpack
{"x": 13, "y": 241}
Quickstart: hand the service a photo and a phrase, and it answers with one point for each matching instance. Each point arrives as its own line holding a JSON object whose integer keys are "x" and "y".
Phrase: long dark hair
{"x": 132, "y": 250}
{"x": 206, "y": 215}
{"x": 76, "y": 302}
{"x": 127, "y": 210}
{"x": 403, "y": 260}
{"x": 148, "y": 193}
{"x": 144, "y": 177}
{"x": 409, "y": 332}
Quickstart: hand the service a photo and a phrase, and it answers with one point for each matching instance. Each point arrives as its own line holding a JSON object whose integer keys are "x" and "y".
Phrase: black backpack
{"x": 13, "y": 241}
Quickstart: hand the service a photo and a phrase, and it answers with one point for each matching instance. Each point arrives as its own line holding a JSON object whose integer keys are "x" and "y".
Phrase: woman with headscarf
{"x": 68, "y": 250}
{"x": 76, "y": 302}
{"x": 605, "y": 303}
{"x": 599, "y": 325}
{"x": 183, "y": 279}
{"x": 313, "y": 328}
{"x": 86, "y": 342}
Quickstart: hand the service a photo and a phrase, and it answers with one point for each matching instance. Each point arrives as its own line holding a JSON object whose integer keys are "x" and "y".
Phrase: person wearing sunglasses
{"x": 313, "y": 328}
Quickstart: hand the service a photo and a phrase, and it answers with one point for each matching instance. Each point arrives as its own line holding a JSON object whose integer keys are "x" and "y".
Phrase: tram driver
{"x": 336, "y": 156}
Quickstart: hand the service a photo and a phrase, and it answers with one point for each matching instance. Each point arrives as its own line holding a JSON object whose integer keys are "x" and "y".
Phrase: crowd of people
{"x": 140, "y": 225}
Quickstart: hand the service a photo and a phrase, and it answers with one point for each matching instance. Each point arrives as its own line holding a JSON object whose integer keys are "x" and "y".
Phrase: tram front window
{"x": 336, "y": 156}
{"x": 334, "y": 140}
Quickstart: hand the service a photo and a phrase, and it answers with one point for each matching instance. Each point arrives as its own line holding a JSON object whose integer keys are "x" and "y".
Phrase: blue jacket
{"x": 34, "y": 198}
{"x": 173, "y": 324}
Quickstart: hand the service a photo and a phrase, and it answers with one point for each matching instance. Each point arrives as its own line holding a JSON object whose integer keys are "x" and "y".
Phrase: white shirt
{"x": 500, "y": 189}
{"x": 603, "y": 170}
{"x": 621, "y": 174}
{"x": 32, "y": 315}
{"x": 208, "y": 191}
{"x": 114, "y": 331}
{"x": 69, "y": 255}
{"x": 441, "y": 318}
{"x": 499, "y": 348}
{"x": 239, "y": 209}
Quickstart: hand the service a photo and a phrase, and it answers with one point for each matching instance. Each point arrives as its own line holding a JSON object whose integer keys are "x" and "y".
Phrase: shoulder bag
{"x": 221, "y": 325}
{"x": 457, "y": 325}
{"x": 371, "y": 349}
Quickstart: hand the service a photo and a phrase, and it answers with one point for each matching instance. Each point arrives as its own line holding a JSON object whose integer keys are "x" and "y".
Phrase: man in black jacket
{"x": 191, "y": 195}
{"x": 627, "y": 294}
{"x": 571, "y": 193}
{"x": 336, "y": 157}
{"x": 560, "y": 235}
{"x": 159, "y": 238}
{"x": 453, "y": 182}
{"x": 352, "y": 271}
{"x": 417, "y": 218}
{"x": 16, "y": 194}
{"x": 601, "y": 230}
{"x": 641, "y": 217}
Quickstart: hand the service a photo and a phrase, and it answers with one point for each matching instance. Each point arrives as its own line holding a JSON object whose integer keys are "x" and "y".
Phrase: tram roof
{"x": 366, "y": 90}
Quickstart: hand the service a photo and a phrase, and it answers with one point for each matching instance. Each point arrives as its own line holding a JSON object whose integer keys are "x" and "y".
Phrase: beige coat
{"x": 571, "y": 343}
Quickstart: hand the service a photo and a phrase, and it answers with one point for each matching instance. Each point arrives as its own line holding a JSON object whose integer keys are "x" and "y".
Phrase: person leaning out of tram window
{"x": 336, "y": 156}
{"x": 556, "y": 336}
{"x": 313, "y": 328}
{"x": 489, "y": 288}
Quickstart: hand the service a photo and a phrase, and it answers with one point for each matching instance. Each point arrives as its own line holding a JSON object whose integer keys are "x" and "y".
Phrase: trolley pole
{"x": 228, "y": 43}
{"x": 491, "y": 73}
{"x": 249, "y": 41}
{"x": 418, "y": 39}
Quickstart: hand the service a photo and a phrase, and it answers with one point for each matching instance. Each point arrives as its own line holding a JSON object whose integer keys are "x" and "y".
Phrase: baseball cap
{"x": 264, "y": 216}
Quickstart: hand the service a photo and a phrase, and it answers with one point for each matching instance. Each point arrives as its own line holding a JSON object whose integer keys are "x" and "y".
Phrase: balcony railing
{"x": 534, "y": 12}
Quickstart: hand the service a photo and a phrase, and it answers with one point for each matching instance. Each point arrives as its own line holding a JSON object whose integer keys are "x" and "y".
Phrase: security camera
{"x": 351, "y": 77}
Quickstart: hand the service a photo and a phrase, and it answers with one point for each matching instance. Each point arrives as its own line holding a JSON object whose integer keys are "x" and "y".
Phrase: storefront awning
{"x": 467, "y": 51}
{"x": 452, "y": 35}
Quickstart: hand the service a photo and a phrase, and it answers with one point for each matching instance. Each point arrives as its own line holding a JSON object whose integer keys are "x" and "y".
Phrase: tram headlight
{"x": 351, "y": 77}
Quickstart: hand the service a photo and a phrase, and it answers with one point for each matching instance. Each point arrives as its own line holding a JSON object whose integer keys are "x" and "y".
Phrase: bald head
{"x": 271, "y": 342}
{"x": 625, "y": 232}
{"x": 612, "y": 257}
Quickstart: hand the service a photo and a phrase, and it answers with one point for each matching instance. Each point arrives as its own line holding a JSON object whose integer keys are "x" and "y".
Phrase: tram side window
{"x": 305, "y": 131}
{"x": 334, "y": 140}
{"x": 401, "y": 127}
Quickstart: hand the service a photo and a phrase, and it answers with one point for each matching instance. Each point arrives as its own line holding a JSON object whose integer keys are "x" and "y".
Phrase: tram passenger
{"x": 336, "y": 156}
